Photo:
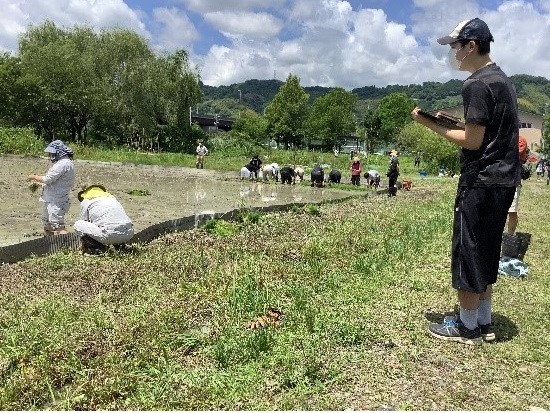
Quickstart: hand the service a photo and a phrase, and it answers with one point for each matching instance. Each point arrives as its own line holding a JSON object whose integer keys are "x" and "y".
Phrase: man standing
{"x": 201, "y": 152}
{"x": 256, "y": 162}
{"x": 490, "y": 172}
{"x": 393, "y": 173}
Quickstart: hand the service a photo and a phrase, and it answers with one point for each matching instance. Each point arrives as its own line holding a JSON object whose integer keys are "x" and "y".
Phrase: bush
{"x": 20, "y": 141}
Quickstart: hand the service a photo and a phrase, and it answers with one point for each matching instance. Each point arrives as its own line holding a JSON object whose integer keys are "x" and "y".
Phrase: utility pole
{"x": 240, "y": 96}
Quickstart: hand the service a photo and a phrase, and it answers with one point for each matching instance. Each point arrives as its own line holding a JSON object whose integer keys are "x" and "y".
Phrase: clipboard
{"x": 443, "y": 120}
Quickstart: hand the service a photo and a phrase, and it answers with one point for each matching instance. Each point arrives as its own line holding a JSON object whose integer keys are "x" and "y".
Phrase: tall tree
{"x": 394, "y": 113}
{"x": 287, "y": 112}
{"x": 187, "y": 93}
{"x": 253, "y": 126}
{"x": 372, "y": 124}
{"x": 434, "y": 150}
{"x": 332, "y": 116}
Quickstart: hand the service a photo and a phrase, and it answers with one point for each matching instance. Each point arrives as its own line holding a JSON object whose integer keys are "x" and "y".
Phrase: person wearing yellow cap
{"x": 102, "y": 221}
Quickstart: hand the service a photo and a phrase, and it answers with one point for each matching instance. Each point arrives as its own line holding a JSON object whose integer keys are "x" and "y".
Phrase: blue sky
{"x": 349, "y": 44}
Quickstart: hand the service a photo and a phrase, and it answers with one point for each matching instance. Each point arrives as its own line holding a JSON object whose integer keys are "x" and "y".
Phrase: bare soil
{"x": 174, "y": 193}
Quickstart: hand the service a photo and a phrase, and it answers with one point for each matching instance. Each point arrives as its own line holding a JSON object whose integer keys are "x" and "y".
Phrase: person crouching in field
{"x": 288, "y": 175}
{"x": 373, "y": 178}
{"x": 271, "y": 171}
{"x": 317, "y": 176}
{"x": 334, "y": 177}
{"x": 102, "y": 221}
{"x": 56, "y": 187}
{"x": 249, "y": 171}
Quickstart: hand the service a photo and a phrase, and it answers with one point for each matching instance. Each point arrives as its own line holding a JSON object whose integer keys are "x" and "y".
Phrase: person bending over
{"x": 102, "y": 221}
{"x": 288, "y": 175}
{"x": 317, "y": 176}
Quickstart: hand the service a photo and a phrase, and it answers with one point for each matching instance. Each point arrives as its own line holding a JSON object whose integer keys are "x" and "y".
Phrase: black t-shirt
{"x": 317, "y": 170}
{"x": 287, "y": 170}
{"x": 393, "y": 169}
{"x": 490, "y": 100}
{"x": 257, "y": 162}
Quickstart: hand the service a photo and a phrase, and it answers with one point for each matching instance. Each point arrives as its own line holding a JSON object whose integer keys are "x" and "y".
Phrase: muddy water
{"x": 174, "y": 193}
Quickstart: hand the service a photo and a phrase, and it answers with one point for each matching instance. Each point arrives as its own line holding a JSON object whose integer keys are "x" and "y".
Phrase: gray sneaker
{"x": 487, "y": 331}
{"x": 453, "y": 331}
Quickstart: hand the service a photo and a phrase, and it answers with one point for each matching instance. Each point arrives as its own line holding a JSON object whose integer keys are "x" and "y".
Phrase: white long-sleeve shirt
{"x": 58, "y": 181}
{"x": 201, "y": 150}
{"x": 105, "y": 212}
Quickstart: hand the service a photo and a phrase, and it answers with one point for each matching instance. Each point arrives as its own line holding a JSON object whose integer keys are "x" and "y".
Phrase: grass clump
{"x": 220, "y": 227}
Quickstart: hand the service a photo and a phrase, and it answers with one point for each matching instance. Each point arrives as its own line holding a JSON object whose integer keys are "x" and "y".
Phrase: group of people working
{"x": 289, "y": 174}
{"x": 102, "y": 220}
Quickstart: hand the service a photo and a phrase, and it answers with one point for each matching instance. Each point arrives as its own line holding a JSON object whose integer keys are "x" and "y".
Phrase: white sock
{"x": 484, "y": 312}
{"x": 468, "y": 318}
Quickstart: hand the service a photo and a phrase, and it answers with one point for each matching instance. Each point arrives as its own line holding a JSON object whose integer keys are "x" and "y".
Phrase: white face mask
{"x": 454, "y": 62}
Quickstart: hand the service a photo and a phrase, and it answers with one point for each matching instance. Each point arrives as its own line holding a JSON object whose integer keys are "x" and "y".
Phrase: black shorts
{"x": 479, "y": 219}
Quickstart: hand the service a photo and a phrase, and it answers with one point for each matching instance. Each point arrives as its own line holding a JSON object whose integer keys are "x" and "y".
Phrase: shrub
{"x": 19, "y": 141}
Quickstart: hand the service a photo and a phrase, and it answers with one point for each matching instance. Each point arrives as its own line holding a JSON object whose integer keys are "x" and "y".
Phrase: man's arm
{"x": 469, "y": 138}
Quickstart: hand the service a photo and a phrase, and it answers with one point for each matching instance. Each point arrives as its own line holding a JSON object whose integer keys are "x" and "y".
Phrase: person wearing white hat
{"x": 489, "y": 174}
{"x": 102, "y": 221}
{"x": 56, "y": 187}
{"x": 355, "y": 171}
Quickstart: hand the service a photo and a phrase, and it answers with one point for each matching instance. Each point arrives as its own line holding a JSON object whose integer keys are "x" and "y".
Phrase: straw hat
{"x": 393, "y": 152}
{"x": 356, "y": 159}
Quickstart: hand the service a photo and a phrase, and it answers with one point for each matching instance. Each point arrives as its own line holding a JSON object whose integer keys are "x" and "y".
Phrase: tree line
{"x": 98, "y": 88}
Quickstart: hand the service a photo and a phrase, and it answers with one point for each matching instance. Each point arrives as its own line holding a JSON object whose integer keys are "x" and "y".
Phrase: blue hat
{"x": 475, "y": 29}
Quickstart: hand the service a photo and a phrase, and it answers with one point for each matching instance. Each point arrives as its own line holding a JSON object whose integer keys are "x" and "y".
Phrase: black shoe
{"x": 90, "y": 246}
{"x": 453, "y": 331}
{"x": 487, "y": 331}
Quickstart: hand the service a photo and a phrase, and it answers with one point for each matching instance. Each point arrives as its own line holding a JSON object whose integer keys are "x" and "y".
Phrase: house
{"x": 530, "y": 125}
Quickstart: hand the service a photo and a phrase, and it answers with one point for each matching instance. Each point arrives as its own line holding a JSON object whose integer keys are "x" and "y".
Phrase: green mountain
{"x": 533, "y": 94}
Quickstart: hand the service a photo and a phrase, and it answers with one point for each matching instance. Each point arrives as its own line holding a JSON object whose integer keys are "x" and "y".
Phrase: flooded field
{"x": 174, "y": 193}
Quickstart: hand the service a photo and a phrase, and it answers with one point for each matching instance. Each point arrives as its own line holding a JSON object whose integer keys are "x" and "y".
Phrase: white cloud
{"x": 177, "y": 32}
{"x": 212, "y": 6}
{"x": 18, "y": 15}
{"x": 324, "y": 42}
{"x": 335, "y": 46}
{"x": 250, "y": 25}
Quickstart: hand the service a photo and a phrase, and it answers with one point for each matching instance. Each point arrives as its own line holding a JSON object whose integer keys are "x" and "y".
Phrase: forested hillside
{"x": 533, "y": 93}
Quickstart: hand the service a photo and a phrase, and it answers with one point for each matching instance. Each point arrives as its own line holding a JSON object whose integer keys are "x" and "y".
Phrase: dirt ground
{"x": 174, "y": 193}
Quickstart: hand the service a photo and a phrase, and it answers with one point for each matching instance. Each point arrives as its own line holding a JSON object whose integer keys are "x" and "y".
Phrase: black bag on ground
{"x": 515, "y": 246}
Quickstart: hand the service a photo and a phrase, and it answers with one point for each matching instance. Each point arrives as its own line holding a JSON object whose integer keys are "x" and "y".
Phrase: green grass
{"x": 164, "y": 327}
